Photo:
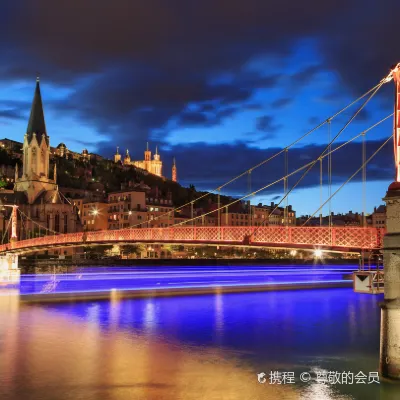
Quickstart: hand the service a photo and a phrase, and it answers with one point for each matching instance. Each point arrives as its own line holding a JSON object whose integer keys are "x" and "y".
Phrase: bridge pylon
{"x": 9, "y": 271}
{"x": 390, "y": 308}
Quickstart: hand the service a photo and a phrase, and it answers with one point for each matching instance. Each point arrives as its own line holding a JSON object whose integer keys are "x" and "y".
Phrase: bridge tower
{"x": 390, "y": 308}
{"x": 9, "y": 271}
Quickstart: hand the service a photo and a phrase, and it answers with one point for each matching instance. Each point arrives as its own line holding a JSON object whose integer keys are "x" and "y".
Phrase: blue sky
{"x": 218, "y": 89}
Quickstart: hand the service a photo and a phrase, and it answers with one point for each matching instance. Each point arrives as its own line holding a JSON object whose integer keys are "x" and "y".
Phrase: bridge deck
{"x": 340, "y": 239}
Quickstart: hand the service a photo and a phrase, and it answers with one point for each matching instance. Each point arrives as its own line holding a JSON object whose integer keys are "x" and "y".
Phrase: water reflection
{"x": 219, "y": 317}
{"x": 65, "y": 359}
{"x": 198, "y": 347}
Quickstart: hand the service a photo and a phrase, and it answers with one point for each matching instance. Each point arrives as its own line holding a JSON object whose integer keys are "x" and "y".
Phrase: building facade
{"x": 126, "y": 209}
{"x": 378, "y": 217}
{"x": 94, "y": 216}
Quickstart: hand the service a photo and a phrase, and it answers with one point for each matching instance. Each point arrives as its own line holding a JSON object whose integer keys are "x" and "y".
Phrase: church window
{"x": 34, "y": 159}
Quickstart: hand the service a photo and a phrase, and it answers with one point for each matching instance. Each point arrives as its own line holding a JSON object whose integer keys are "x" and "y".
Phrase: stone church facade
{"x": 45, "y": 210}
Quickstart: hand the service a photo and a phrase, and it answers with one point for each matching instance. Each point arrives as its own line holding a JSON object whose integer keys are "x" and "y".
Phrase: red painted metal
{"x": 396, "y": 132}
{"x": 341, "y": 239}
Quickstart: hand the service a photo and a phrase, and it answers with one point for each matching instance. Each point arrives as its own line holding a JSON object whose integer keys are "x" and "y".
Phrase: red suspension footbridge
{"x": 333, "y": 239}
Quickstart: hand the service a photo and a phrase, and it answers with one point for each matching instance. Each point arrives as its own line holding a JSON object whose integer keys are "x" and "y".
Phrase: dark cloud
{"x": 193, "y": 118}
{"x": 267, "y": 124}
{"x": 135, "y": 66}
{"x": 305, "y": 76}
{"x": 314, "y": 120}
{"x": 11, "y": 114}
{"x": 280, "y": 103}
{"x": 14, "y": 110}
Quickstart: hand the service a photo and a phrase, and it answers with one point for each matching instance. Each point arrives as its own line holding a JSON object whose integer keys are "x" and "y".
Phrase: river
{"x": 194, "y": 347}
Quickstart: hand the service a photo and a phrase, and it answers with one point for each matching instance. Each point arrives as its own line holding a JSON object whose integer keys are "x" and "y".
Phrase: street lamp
{"x": 318, "y": 253}
{"x": 95, "y": 212}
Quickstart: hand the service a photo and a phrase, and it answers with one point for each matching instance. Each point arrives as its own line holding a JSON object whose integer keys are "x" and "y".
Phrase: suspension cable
{"x": 320, "y": 190}
{"x": 364, "y": 178}
{"x": 352, "y": 176}
{"x": 216, "y": 190}
{"x": 329, "y": 175}
{"x": 249, "y": 191}
{"x": 291, "y": 173}
{"x": 23, "y": 225}
{"x": 286, "y": 187}
{"x": 36, "y": 223}
{"x": 6, "y": 231}
{"x": 326, "y": 148}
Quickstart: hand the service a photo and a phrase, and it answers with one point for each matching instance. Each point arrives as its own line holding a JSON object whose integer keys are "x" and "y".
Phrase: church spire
{"x": 174, "y": 171}
{"x": 36, "y": 120}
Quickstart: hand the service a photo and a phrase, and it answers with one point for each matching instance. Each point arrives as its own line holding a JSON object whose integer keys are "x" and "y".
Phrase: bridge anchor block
{"x": 9, "y": 271}
{"x": 390, "y": 308}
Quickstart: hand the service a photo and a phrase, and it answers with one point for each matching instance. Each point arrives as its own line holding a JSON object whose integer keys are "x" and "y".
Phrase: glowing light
{"x": 95, "y": 212}
{"x": 293, "y": 252}
{"x": 318, "y": 253}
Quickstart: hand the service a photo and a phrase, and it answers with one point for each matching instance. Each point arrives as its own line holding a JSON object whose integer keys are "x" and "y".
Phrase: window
{"x": 65, "y": 223}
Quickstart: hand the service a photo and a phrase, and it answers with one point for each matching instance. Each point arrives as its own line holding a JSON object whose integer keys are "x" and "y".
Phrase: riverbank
{"x": 28, "y": 263}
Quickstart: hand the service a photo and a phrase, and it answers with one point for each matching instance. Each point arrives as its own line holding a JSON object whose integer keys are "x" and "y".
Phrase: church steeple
{"x": 36, "y": 154}
{"x": 127, "y": 159}
{"x": 174, "y": 171}
{"x": 36, "y": 120}
{"x": 117, "y": 156}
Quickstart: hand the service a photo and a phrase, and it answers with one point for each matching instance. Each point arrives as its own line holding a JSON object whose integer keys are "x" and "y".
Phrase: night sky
{"x": 220, "y": 85}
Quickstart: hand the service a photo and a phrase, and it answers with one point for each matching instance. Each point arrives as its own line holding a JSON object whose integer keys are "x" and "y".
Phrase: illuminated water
{"x": 195, "y": 347}
{"x": 155, "y": 278}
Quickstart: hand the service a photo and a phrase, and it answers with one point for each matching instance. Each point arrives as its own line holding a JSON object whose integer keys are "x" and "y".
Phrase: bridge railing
{"x": 352, "y": 237}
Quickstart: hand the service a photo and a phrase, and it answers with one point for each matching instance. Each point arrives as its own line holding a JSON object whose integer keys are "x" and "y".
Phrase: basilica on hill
{"x": 153, "y": 166}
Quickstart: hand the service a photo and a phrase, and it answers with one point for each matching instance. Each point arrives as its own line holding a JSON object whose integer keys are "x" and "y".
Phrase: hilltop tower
{"x": 127, "y": 159}
{"x": 117, "y": 156}
{"x": 174, "y": 171}
{"x": 156, "y": 165}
